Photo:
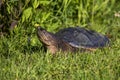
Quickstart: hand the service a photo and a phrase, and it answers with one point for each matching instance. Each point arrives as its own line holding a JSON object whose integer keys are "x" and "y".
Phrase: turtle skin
{"x": 82, "y": 38}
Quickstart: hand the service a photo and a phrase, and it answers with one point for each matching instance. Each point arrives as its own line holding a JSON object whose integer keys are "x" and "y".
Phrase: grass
{"x": 20, "y": 60}
{"x": 22, "y": 56}
{"x": 100, "y": 65}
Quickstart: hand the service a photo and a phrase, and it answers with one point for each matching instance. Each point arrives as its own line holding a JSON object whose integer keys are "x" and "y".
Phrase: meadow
{"x": 22, "y": 56}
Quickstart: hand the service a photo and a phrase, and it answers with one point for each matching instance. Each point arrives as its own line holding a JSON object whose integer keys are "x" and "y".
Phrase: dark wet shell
{"x": 81, "y": 37}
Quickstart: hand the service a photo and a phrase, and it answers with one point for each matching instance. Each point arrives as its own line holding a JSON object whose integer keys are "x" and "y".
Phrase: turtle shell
{"x": 82, "y": 38}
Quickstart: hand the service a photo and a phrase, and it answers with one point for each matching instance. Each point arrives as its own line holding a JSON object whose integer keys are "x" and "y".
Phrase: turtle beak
{"x": 40, "y": 31}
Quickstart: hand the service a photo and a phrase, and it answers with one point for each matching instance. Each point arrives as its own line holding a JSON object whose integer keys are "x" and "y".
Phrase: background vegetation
{"x": 21, "y": 53}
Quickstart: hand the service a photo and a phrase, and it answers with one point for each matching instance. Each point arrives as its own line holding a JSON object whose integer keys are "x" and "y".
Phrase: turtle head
{"x": 46, "y": 37}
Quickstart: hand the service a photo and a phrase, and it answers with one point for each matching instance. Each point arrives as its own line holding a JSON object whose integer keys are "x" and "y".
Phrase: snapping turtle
{"x": 72, "y": 39}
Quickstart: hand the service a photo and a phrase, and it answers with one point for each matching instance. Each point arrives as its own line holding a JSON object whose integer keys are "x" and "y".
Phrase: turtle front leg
{"x": 52, "y": 49}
